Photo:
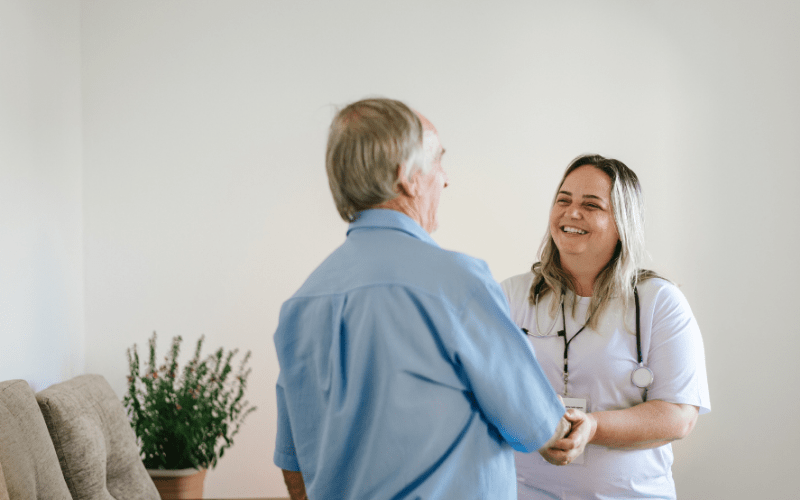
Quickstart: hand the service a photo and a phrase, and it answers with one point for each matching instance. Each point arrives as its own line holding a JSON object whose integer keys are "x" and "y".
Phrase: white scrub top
{"x": 600, "y": 365}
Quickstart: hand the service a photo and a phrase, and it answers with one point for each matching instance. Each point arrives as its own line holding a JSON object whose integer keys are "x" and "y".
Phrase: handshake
{"x": 573, "y": 433}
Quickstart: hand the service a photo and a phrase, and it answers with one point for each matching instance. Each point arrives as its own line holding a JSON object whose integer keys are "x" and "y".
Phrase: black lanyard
{"x": 563, "y": 333}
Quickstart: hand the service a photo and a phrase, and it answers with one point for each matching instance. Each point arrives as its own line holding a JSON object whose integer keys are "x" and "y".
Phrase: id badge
{"x": 578, "y": 404}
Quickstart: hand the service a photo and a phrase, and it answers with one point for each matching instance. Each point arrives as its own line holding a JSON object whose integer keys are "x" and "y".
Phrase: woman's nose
{"x": 573, "y": 212}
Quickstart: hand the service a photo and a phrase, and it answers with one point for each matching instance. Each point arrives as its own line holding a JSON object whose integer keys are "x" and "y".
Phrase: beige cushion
{"x": 94, "y": 441}
{"x": 30, "y": 467}
{"x": 3, "y": 490}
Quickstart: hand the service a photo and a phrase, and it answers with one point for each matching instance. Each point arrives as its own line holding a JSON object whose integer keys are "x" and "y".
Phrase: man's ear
{"x": 407, "y": 187}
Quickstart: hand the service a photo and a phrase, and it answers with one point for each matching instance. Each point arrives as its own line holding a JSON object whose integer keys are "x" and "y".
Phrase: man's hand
{"x": 561, "y": 431}
{"x": 563, "y": 451}
{"x": 295, "y": 485}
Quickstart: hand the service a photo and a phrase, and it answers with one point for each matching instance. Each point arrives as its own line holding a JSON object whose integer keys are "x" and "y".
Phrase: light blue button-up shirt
{"x": 402, "y": 375}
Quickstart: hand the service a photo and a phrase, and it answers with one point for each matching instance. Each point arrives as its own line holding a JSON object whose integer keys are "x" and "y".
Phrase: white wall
{"x": 41, "y": 237}
{"x": 205, "y": 203}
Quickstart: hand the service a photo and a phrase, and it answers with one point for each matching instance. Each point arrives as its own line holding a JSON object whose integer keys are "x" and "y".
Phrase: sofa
{"x": 69, "y": 441}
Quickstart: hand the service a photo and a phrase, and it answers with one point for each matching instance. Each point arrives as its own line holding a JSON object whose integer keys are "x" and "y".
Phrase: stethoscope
{"x": 642, "y": 377}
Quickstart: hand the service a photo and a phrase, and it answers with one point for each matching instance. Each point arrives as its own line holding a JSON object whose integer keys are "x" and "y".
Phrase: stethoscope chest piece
{"x": 642, "y": 377}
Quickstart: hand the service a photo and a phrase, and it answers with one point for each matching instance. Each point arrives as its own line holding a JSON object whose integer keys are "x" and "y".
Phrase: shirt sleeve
{"x": 500, "y": 368}
{"x": 676, "y": 354}
{"x": 285, "y": 456}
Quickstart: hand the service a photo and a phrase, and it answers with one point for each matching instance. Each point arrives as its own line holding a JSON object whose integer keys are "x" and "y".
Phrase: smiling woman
{"x": 641, "y": 391}
{"x": 582, "y": 225}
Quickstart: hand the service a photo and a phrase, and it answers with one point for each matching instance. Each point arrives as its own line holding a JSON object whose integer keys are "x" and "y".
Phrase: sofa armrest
{"x": 27, "y": 456}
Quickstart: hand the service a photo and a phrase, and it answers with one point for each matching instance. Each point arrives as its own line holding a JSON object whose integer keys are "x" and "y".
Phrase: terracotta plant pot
{"x": 178, "y": 484}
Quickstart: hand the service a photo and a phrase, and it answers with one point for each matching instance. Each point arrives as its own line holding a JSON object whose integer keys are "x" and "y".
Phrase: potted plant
{"x": 184, "y": 421}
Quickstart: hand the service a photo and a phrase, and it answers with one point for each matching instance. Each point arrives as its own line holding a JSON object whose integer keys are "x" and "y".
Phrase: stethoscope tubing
{"x": 641, "y": 377}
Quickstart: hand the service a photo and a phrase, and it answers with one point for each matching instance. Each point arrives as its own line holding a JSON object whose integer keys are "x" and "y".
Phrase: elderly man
{"x": 402, "y": 375}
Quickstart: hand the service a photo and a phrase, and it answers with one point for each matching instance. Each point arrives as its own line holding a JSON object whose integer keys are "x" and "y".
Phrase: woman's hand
{"x": 563, "y": 451}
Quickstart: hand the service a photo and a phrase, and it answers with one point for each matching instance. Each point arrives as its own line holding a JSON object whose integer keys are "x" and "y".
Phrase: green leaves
{"x": 186, "y": 419}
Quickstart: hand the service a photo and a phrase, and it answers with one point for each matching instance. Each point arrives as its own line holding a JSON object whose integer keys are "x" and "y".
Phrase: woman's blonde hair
{"x": 622, "y": 273}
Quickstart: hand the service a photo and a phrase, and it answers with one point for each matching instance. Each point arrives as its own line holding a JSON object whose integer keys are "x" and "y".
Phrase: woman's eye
{"x": 562, "y": 201}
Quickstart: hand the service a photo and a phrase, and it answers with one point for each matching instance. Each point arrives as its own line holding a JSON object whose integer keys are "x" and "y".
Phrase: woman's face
{"x": 582, "y": 219}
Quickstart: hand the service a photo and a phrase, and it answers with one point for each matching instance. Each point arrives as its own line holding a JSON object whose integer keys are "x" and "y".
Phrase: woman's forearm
{"x": 647, "y": 425}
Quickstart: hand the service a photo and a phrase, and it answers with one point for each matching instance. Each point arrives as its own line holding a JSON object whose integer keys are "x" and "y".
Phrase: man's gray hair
{"x": 367, "y": 142}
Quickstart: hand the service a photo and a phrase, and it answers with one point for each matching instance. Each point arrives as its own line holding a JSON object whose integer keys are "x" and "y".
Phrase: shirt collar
{"x": 381, "y": 218}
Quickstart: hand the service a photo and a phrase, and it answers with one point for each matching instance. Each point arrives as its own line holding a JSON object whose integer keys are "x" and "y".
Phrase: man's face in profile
{"x": 432, "y": 183}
